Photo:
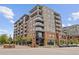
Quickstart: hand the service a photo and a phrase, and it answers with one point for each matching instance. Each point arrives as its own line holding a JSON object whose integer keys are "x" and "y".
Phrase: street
{"x": 23, "y": 50}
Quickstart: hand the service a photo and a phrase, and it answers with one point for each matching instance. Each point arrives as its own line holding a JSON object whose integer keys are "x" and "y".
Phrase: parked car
{"x": 72, "y": 45}
{"x": 69, "y": 45}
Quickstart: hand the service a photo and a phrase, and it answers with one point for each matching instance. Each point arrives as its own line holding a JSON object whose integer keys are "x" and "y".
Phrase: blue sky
{"x": 9, "y": 13}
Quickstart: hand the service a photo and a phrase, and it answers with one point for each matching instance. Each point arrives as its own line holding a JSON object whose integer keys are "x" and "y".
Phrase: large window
{"x": 50, "y": 42}
{"x": 39, "y": 34}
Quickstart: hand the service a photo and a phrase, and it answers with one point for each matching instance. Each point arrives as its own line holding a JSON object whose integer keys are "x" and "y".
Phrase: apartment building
{"x": 43, "y": 24}
{"x": 71, "y": 31}
{"x": 20, "y": 26}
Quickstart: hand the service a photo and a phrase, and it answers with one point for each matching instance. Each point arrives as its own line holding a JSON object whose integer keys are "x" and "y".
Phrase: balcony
{"x": 40, "y": 16}
{"x": 58, "y": 21}
{"x": 58, "y": 17}
{"x": 39, "y": 19}
{"x": 39, "y": 29}
{"x": 15, "y": 25}
{"x": 58, "y": 29}
{"x": 58, "y": 25}
{"x": 34, "y": 14}
{"x": 56, "y": 14}
{"x": 39, "y": 24}
{"x": 37, "y": 7}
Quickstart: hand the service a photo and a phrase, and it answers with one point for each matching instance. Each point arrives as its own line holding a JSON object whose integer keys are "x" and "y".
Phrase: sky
{"x": 10, "y": 13}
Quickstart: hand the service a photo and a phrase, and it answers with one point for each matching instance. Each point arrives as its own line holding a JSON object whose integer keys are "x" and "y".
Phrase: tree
{"x": 70, "y": 41}
{"x": 29, "y": 39}
{"x": 73, "y": 41}
{"x": 23, "y": 40}
{"x": 62, "y": 42}
{"x": 18, "y": 40}
{"x": 3, "y": 39}
{"x": 10, "y": 40}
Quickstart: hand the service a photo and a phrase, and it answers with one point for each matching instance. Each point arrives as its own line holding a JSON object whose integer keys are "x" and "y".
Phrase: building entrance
{"x": 40, "y": 38}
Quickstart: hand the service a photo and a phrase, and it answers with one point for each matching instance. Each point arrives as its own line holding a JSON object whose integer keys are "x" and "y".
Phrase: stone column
{"x": 33, "y": 41}
{"x": 45, "y": 39}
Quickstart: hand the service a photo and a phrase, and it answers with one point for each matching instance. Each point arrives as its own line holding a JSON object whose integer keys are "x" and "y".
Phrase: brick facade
{"x": 41, "y": 24}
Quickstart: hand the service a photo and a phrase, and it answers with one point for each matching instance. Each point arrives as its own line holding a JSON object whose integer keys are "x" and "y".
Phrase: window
{"x": 25, "y": 35}
{"x": 39, "y": 34}
{"x": 50, "y": 42}
{"x": 25, "y": 30}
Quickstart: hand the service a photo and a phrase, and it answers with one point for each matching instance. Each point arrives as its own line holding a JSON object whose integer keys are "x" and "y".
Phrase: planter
{"x": 9, "y": 46}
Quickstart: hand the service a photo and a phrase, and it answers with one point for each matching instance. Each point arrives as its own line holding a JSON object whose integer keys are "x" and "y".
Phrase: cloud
{"x": 69, "y": 24}
{"x": 7, "y": 12}
{"x": 3, "y": 31}
{"x": 11, "y": 21}
{"x": 63, "y": 25}
{"x": 74, "y": 16}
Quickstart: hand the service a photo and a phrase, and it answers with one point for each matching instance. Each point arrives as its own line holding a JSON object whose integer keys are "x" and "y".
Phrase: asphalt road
{"x": 39, "y": 51}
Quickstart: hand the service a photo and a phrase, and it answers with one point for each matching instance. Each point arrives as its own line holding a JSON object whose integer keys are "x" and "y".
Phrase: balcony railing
{"x": 56, "y": 14}
{"x": 39, "y": 24}
{"x": 34, "y": 14}
{"x": 58, "y": 25}
{"x": 37, "y": 16}
{"x": 39, "y": 29}
{"x": 35, "y": 8}
{"x": 58, "y": 29}
{"x": 58, "y": 21}
{"x": 39, "y": 19}
{"x": 58, "y": 17}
